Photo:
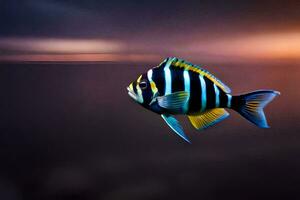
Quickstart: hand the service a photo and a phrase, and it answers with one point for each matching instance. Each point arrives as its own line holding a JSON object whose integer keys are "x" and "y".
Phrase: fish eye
{"x": 143, "y": 84}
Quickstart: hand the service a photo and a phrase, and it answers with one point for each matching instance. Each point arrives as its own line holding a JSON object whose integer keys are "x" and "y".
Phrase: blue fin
{"x": 251, "y": 106}
{"x": 175, "y": 126}
{"x": 208, "y": 118}
{"x": 174, "y": 102}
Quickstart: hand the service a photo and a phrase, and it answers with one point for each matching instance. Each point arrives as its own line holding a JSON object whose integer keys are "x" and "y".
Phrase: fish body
{"x": 177, "y": 87}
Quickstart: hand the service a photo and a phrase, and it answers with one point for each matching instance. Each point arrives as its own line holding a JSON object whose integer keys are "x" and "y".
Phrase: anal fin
{"x": 208, "y": 118}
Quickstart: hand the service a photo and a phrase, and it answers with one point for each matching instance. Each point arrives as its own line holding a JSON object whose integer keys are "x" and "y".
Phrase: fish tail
{"x": 251, "y": 105}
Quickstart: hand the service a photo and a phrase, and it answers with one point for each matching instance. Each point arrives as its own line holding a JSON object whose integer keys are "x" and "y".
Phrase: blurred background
{"x": 68, "y": 129}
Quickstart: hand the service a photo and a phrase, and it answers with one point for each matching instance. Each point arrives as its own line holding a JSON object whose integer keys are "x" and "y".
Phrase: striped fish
{"x": 178, "y": 87}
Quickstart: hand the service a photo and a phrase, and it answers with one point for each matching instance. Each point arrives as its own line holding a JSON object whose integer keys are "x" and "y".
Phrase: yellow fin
{"x": 189, "y": 66}
{"x": 208, "y": 118}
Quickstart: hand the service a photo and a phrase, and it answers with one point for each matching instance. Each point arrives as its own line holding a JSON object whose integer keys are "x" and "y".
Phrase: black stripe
{"x": 147, "y": 93}
{"x": 195, "y": 93}
{"x": 158, "y": 76}
{"x": 134, "y": 87}
{"x": 210, "y": 94}
{"x": 177, "y": 79}
{"x": 223, "y": 99}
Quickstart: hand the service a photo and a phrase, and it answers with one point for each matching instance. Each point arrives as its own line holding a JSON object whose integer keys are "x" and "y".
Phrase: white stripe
{"x": 149, "y": 75}
{"x": 187, "y": 87}
{"x": 229, "y": 97}
{"x": 203, "y": 93}
{"x": 168, "y": 78}
{"x": 152, "y": 83}
{"x": 217, "y": 92}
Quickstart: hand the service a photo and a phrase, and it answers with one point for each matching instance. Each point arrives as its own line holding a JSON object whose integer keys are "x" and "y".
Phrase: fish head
{"x": 143, "y": 90}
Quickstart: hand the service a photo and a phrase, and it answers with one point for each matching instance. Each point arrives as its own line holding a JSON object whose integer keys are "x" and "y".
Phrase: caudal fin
{"x": 251, "y": 106}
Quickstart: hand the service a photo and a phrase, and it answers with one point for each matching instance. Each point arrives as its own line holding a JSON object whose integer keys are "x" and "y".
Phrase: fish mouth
{"x": 132, "y": 94}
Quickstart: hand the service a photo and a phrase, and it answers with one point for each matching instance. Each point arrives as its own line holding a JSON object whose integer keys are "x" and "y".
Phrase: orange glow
{"x": 244, "y": 48}
{"x": 80, "y": 58}
{"x": 61, "y": 45}
{"x": 262, "y": 46}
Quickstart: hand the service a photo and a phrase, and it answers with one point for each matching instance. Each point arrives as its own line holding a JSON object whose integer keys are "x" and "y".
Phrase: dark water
{"x": 71, "y": 132}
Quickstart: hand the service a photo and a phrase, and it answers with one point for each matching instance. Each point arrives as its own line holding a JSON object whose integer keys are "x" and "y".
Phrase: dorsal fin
{"x": 195, "y": 68}
{"x": 162, "y": 64}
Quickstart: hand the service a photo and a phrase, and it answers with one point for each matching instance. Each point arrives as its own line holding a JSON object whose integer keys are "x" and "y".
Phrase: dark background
{"x": 68, "y": 129}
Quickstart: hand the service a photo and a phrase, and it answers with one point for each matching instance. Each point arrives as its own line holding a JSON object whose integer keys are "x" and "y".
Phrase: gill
{"x": 153, "y": 86}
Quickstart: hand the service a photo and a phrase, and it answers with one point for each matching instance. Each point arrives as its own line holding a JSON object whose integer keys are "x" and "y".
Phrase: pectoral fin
{"x": 208, "y": 118}
{"x": 175, "y": 126}
{"x": 174, "y": 102}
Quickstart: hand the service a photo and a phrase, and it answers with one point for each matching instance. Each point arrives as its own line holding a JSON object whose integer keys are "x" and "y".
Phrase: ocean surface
{"x": 70, "y": 131}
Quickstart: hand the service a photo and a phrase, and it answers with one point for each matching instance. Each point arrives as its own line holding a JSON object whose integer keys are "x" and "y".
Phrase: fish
{"x": 177, "y": 87}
